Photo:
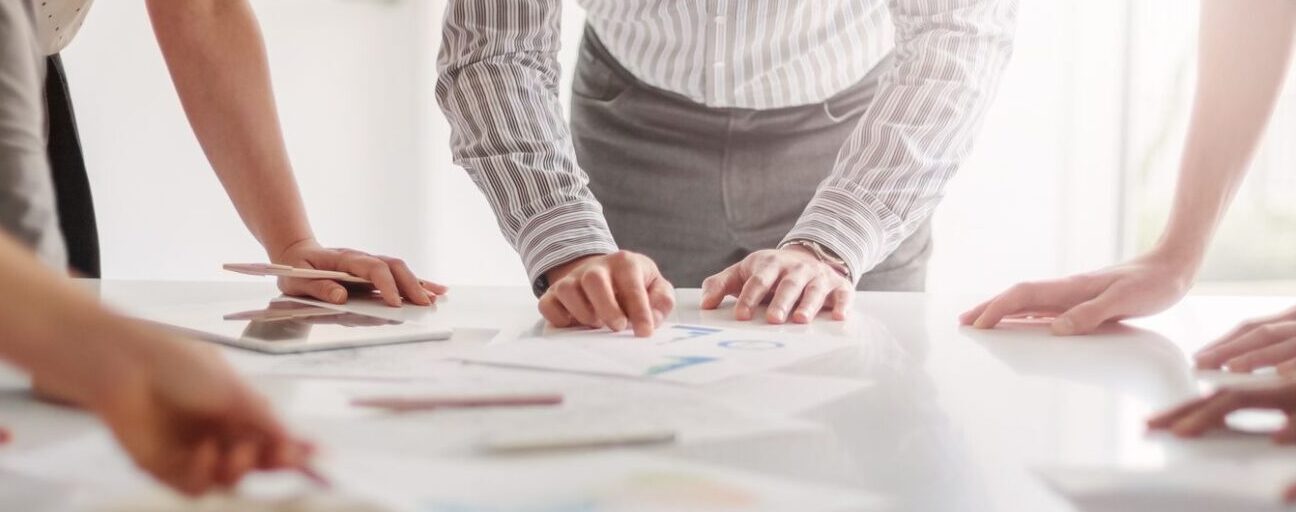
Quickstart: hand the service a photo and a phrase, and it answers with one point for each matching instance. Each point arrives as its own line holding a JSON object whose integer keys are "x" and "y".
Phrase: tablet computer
{"x": 285, "y": 325}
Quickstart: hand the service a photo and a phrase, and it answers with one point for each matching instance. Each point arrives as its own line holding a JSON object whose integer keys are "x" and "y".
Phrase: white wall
{"x": 348, "y": 79}
{"x": 354, "y": 80}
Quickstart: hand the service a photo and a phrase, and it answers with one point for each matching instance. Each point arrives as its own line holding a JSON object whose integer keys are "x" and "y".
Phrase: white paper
{"x": 389, "y": 362}
{"x": 1235, "y": 486}
{"x": 591, "y": 404}
{"x": 601, "y": 482}
{"x": 675, "y": 353}
{"x": 93, "y": 459}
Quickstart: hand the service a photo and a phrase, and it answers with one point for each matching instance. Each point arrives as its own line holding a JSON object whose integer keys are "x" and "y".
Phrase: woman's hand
{"x": 390, "y": 276}
{"x": 1257, "y": 343}
{"x": 187, "y": 419}
{"x": 1080, "y": 303}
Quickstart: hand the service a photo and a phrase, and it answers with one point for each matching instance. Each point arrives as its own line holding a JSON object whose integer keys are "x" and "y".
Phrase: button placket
{"x": 718, "y": 56}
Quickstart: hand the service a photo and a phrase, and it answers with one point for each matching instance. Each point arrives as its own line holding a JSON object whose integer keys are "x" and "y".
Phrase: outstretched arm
{"x": 218, "y": 63}
{"x": 1242, "y": 60}
{"x": 181, "y": 413}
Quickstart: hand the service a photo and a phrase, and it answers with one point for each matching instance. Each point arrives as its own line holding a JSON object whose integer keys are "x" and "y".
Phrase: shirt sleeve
{"x": 890, "y": 173}
{"x": 498, "y": 86}
{"x": 27, "y": 206}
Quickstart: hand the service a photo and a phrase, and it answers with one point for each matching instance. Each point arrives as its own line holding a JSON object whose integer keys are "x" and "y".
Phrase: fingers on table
{"x": 553, "y": 310}
{"x": 1255, "y": 346}
{"x": 813, "y": 298}
{"x": 1196, "y": 416}
{"x": 661, "y": 295}
{"x": 717, "y": 287}
{"x": 570, "y": 297}
{"x": 435, "y": 288}
{"x": 1086, "y": 316}
{"x": 633, "y": 293}
{"x": 627, "y": 292}
{"x": 842, "y": 298}
{"x": 320, "y": 289}
{"x": 409, "y": 284}
{"x": 1053, "y": 296}
{"x": 788, "y": 290}
{"x": 755, "y": 289}
{"x": 599, "y": 289}
{"x": 376, "y": 271}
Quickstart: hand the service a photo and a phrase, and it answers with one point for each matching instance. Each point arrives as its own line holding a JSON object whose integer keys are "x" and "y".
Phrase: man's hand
{"x": 1258, "y": 343}
{"x": 390, "y": 276}
{"x": 617, "y": 290}
{"x": 787, "y": 277}
{"x": 188, "y": 420}
{"x": 1081, "y": 303}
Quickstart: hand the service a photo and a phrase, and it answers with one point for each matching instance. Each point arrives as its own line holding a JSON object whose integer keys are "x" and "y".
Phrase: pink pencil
{"x": 402, "y": 404}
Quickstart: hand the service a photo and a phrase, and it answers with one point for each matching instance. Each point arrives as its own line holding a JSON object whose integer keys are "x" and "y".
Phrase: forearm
{"x": 1244, "y": 49}
{"x": 61, "y": 335}
{"x": 217, "y": 59}
{"x": 497, "y": 84}
{"x": 891, "y": 171}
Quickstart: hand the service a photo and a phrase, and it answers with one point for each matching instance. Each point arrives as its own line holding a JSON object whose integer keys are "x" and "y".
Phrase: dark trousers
{"x": 71, "y": 184}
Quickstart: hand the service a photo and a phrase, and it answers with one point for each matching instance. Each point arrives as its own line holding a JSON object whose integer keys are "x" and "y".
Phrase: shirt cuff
{"x": 562, "y": 234}
{"x": 859, "y": 230}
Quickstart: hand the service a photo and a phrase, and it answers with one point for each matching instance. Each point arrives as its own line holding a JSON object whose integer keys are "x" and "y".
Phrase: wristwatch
{"x": 822, "y": 254}
{"x": 540, "y": 285}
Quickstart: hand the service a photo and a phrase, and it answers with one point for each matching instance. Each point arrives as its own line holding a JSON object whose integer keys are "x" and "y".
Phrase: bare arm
{"x": 1244, "y": 52}
{"x": 217, "y": 60}
{"x": 1243, "y": 58}
{"x": 218, "y": 63}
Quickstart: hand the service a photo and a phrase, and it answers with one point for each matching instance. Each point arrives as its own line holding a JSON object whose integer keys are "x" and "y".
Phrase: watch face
{"x": 540, "y": 286}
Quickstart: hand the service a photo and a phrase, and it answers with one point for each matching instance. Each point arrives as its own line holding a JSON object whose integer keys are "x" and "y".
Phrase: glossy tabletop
{"x": 940, "y": 417}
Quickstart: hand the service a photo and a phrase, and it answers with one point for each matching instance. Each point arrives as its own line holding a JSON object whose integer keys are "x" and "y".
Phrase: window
{"x": 1255, "y": 247}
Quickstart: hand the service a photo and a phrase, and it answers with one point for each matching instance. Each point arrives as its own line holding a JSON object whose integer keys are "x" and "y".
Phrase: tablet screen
{"x": 288, "y": 325}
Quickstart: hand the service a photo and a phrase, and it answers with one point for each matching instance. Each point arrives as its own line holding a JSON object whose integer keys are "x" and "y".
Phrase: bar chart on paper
{"x": 677, "y": 353}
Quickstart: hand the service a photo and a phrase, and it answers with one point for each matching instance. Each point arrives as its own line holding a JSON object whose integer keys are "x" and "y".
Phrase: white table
{"x": 955, "y": 419}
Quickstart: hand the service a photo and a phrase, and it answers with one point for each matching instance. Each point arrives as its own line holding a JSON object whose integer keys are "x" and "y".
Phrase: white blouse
{"x": 59, "y": 22}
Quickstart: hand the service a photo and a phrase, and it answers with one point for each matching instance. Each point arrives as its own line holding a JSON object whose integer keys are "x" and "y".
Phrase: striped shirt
{"x": 499, "y": 76}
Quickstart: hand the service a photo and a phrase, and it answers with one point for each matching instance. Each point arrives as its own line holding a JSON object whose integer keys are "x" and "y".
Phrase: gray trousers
{"x": 698, "y": 188}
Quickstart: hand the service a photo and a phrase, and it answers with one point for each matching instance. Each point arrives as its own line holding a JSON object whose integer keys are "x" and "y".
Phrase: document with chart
{"x": 680, "y": 353}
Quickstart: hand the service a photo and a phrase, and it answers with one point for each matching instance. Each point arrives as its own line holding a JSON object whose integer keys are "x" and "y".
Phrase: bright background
{"x": 1073, "y": 169}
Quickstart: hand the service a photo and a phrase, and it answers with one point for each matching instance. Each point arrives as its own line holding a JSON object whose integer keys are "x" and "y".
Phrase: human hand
{"x": 617, "y": 290}
{"x": 188, "y": 420}
{"x": 1081, "y": 303}
{"x": 390, "y": 276}
{"x": 1257, "y": 343}
{"x": 1194, "y": 417}
{"x": 787, "y": 277}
